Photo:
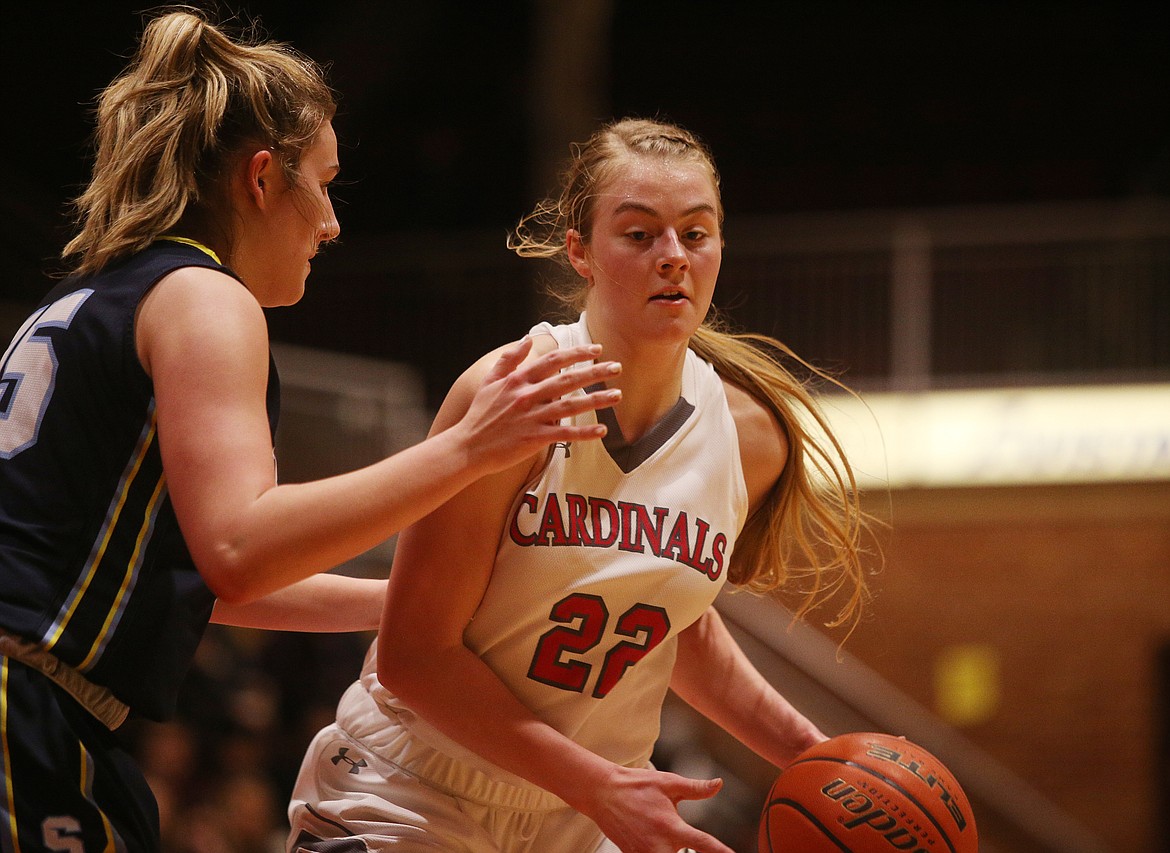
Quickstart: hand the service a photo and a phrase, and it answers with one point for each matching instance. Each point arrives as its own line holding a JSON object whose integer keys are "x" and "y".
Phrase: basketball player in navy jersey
{"x": 535, "y": 621}
{"x": 138, "y": 491}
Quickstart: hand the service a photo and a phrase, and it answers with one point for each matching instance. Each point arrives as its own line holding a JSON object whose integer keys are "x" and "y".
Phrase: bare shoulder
{"x": 463, "y": 390}
{"x": 198, "y": 314}
{"x": 207, "y": 298}
{"x": 763, "y": 444}
{"x": 202, "y": 283}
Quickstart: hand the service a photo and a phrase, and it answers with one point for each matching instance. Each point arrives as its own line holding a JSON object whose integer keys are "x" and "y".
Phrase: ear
{"x": 578, "y": 254}
{"x": 259, "y": 177}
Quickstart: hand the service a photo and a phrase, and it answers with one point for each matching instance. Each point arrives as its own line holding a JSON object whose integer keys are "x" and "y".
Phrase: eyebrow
{"x": 645, "y": 208}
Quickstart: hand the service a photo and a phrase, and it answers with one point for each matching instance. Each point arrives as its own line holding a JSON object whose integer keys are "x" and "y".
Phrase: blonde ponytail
{"x": 169, "y": 127}
{"x": 806, "y": 536}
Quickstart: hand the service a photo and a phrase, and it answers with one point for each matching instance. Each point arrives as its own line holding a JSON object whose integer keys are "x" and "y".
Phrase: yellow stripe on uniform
{"x": 100, "y": 551}
{"x": 131, "y": 566}
{"x": 8, "y": 792}
{"x": 86, "y": 781}
{"x": 187, "y": 241}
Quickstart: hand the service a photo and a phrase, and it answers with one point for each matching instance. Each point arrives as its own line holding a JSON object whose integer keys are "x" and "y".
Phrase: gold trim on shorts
{"x": 95, "y": 698}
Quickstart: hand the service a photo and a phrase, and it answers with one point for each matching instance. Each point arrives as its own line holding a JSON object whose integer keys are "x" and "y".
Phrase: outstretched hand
{"x": 638, "y": 811}
{"x": 518, "y": 408}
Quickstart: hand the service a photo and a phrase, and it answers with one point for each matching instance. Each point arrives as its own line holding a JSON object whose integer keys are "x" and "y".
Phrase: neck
{"x": 650, "y": 382}
{"x": 201, "y": 229}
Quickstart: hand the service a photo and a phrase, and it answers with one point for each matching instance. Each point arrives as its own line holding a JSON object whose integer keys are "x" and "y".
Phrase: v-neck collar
{"x": 629, "y": 455}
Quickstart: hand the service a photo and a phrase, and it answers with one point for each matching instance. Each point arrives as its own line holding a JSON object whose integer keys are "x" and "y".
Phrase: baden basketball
{"x": 867, "y": 793}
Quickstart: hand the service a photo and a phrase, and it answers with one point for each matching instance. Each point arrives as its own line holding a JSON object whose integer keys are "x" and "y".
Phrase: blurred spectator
{"x": 222, "y": 771}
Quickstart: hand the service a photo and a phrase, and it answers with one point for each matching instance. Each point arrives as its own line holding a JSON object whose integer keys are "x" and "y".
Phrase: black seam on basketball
{"x": 809, "y": 816}
{"x": 929, "y": 814}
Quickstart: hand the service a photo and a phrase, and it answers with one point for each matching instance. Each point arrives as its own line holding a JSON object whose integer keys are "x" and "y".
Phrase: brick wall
{"x": 1068, "y": 590}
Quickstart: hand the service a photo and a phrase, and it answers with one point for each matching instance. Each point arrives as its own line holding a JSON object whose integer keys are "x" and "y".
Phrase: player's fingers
{"x": 556, "y": 360}
{"x": 509, "y": 359}
{"x": 559, "y": 413}
{"x": 570, "y": 380}
{"x": 567, "y": 407}
{"x": 572, "y": 434}
{"x": 682, "y": 788}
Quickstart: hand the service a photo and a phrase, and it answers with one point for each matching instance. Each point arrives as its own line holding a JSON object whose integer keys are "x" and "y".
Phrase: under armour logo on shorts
{"x": 354, "y": 766}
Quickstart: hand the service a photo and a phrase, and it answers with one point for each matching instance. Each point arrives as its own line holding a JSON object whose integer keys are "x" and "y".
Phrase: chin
{"x": 296, "y": 297}
{"x": 684, "y": 322}
{"x": 285, "y": 296}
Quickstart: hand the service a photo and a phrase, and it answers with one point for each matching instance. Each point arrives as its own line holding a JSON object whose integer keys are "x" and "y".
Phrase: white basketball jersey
{"x": 607, "y": 556}
{"x": 605, "y": 559}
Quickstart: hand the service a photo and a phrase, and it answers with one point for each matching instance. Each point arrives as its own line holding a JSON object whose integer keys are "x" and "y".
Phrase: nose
{"x": 672, "y": 257}
{"x": 330, "y": 227}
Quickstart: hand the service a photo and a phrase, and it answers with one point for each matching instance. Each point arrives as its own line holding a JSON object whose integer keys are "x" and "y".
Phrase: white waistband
{"x": 399, "y": 737}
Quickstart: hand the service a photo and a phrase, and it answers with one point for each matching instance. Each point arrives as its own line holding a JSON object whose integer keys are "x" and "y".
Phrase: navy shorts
{"x": 69, "y": 783}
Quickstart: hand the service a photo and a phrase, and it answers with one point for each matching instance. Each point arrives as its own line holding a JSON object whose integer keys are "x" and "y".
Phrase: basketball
{"x": 867, "y": 793}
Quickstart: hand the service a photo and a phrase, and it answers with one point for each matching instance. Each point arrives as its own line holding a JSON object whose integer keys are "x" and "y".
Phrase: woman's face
{"x": 653, "y": 257}
{"x": 299, "y": 218}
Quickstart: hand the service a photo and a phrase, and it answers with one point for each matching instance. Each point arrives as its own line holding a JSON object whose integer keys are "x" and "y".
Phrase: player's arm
{"x": 714, "y": 676}
{"x": 442, "y": 567}
{"x": 202, "y": 338}
{"x": 321, "y": 603}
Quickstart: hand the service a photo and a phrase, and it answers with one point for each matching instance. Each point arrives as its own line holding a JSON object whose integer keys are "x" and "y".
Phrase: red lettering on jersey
{"x": 636, "y": 524}
{"x": 527, "y": 502}
{"x": 598, "y": 507}
{"x": 718, "y": 546}
{"x": 600, "y": 523}
{"x": 678, "y": 547}
{"x": 552, "y": 524}
{"x": 578, "y": 508}
{"x": 701, "y": 528}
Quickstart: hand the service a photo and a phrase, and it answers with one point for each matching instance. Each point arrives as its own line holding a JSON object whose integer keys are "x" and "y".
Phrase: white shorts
{"x": 366, "y": 784}
{"x": 348, "y": 800}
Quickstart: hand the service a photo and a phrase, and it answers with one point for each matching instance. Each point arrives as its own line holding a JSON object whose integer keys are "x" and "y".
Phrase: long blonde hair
{"x": 170, "y": 127}
{"x": 806, "y": 536}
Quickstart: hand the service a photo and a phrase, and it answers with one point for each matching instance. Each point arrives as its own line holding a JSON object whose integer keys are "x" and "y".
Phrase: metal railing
{"x": 962, "y": 296}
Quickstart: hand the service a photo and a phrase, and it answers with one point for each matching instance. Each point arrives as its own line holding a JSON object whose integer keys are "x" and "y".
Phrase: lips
{"x": 668, "y": 296}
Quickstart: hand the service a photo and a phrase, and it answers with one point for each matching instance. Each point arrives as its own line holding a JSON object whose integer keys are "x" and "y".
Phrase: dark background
{"x": 812, "y": 106}
{"x": 808, "y": 106}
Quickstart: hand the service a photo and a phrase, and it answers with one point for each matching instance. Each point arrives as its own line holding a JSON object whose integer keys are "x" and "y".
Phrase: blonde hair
{"x": 170, "y": 127}
{"x": 807, "y": 533}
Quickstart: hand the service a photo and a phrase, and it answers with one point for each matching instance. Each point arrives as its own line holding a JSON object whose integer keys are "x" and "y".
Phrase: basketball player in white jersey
{"x": 534, "y": 623}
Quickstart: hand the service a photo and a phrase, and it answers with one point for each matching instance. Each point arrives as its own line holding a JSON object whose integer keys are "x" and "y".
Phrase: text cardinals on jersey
{"x": 600, "y": 523}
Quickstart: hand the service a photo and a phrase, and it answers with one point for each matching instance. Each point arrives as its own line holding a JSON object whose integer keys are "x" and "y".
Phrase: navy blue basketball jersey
{"x": 93, "y": 567}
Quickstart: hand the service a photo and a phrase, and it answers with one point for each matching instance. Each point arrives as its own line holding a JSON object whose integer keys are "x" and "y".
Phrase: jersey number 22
{"x": 584, "y": 619}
